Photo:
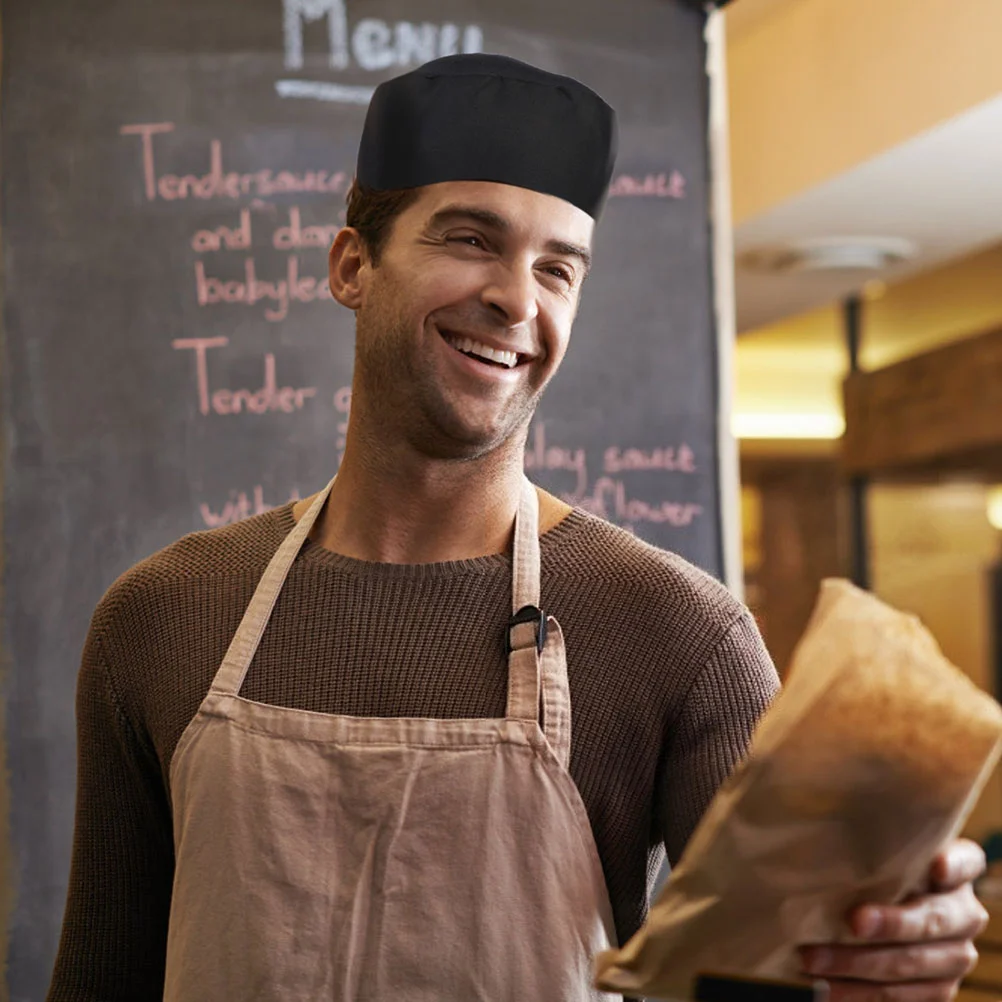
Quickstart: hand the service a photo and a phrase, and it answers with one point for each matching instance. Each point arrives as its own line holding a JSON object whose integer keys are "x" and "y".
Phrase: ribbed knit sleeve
{"x": 114, "y": 933}
{"x": 715, "y": 725}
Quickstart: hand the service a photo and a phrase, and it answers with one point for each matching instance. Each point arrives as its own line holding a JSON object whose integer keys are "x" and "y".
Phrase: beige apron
{"x": 348, "y": 858}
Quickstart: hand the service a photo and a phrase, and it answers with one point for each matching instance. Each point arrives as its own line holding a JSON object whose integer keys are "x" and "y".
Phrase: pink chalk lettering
{"x": 265, "y": 183}
{"x": 609, "y": 500}
{"x": 220, "y": 183}
{"x": 650, "y": 186}
{"x": 308, "y": 289}
{"x": 146, "y": 132}
{"x": 295, "y": 235}
{"x": 210, "y": 185}
{"x": 276, "y": 291}
{"x": 224, "y": 237}
{"x": 342, "y": 404}
{"x": 680, "y": 459}
{"x": 342, "y": 400}
{"x": 540, "y": 456}
{"x": 239, "y": 506}
{"x": 210, "y": 291}
{"x": 268, "y": 398}
{"x": 200, "y": 346}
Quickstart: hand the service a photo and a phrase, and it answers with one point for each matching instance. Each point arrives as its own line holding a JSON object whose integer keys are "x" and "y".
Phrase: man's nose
{"x": 512, "y": 293}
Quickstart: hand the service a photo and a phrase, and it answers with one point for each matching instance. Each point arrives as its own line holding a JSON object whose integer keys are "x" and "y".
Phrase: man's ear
{"x": 349, "y": 264}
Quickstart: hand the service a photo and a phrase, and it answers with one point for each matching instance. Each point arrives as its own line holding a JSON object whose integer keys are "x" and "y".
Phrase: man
{"x": 330, "y": 752}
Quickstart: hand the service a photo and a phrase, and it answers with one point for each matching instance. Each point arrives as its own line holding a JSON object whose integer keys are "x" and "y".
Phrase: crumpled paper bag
{"x": 870, "y": 758}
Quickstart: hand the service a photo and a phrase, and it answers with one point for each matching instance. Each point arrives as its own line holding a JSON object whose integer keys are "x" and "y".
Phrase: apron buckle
{"x": 527, "y": 614}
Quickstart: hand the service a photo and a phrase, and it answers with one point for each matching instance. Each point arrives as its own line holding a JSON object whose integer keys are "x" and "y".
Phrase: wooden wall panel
{"x": 925, "y": 411}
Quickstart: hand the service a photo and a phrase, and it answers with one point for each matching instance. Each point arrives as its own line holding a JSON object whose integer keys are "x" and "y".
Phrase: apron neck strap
{"x": 525, "y": 553}
{"x": 537, "y": 662}
{"x": 536, "y": 659}
{"x": 244, "y": 644}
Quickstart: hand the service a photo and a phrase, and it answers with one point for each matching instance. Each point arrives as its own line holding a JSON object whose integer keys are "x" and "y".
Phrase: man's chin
{"x": 465, "y": 440}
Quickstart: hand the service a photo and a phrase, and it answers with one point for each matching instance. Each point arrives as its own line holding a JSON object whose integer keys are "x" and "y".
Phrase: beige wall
{"x": 793, "y": 367}
{"x": 821, "y": 86}
{"x": 932, "y": 546}
{"x": 962, "y": 298}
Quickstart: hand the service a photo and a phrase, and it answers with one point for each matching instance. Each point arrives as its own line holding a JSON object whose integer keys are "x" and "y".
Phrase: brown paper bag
{"x": 870, "y": 758}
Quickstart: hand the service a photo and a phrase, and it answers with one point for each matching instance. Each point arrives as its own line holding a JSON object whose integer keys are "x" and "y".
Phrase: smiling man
{"x": 342, "y": 750}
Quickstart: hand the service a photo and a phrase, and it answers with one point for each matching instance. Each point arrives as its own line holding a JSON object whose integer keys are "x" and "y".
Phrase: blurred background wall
{"x": 866, "y": 148}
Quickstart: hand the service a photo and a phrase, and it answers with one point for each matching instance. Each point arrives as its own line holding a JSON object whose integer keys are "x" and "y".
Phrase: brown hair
{"x": 372, "y": 212}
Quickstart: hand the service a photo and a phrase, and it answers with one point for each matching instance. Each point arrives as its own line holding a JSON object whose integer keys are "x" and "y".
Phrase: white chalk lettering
{"x": 374, "y": 43}
{"x": 448, "y": 40}
{"x": 295, "y": 12}
{"x": 473, "y": 39}
{"x": 415, "y": 43}
{"x": 371, "y": 43}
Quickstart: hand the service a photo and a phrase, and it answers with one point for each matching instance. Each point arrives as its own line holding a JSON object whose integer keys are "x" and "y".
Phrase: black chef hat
{"x": 489, "y": 118}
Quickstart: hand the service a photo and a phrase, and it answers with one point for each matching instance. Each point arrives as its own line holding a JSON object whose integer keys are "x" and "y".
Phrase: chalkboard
{"x": 172, "y": 176}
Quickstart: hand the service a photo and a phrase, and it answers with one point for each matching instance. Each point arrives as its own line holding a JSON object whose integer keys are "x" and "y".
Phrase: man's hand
{"x": 917, "y": 951}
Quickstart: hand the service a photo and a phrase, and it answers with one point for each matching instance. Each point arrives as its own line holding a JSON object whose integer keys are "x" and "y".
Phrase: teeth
{"x": 508, "y": 359}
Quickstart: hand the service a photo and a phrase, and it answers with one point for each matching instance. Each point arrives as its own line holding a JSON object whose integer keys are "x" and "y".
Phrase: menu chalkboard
{"x": 172, "y": 359}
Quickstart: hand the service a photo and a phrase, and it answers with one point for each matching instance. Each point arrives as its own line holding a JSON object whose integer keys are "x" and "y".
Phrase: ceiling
{"x": 941, "y": 191}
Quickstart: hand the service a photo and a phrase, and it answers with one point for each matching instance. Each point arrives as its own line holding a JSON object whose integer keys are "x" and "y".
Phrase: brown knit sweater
{"x": 668, "y": 674}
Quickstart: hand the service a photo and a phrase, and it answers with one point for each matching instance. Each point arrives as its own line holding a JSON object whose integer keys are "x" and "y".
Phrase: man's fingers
{"x": 948, "y": 915}
{"x": 917, "y": 951}
{"x": 961, "y": 862}
{"x": 921, "y": 991}
{"x": 893, "y": 964}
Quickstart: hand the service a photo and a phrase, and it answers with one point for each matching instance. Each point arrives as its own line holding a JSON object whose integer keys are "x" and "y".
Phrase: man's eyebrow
{"x": 571, "y": 250}
{"x": 458, "y": 213}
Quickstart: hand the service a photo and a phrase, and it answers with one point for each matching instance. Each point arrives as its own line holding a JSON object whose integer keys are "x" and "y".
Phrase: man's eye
{"x": 469, "y": 239}
{"x": 562, "y": 273}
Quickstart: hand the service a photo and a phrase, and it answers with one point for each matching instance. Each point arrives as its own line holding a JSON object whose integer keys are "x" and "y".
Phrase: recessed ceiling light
{"x": 841, "y": 254}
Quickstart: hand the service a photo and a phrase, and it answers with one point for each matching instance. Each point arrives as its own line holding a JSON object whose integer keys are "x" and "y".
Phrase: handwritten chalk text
{"x": 220, "y": 183}
{"x": 375, "y": 44}
{"x": 211, "y": 291}
{"x": 223, "y": 237}
{"x": 267, "y": 399}
{"x": 239, "y": 506}
{"x": 296, "y": 236}
{"x": 541, "y": 456}
{"x": 609, "y": 500}
{"x": 665, "y": 185}
{"x": 672, "y": 459}
{"x": 342, "y": 404}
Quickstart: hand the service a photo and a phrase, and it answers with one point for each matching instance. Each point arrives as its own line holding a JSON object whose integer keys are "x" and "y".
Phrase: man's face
{"x": 467, "y": 315}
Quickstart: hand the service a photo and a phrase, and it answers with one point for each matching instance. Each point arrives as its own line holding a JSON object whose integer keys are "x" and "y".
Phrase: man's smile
{"x": 484, "y": 354}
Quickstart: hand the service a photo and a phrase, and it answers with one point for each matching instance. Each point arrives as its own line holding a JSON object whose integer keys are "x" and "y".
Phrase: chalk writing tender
{"x": 265, "y": 400}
